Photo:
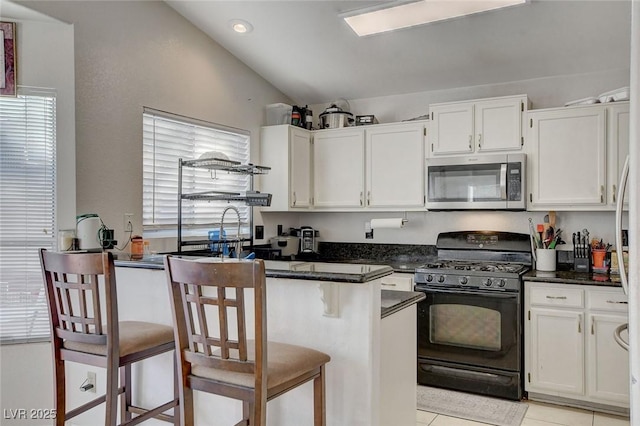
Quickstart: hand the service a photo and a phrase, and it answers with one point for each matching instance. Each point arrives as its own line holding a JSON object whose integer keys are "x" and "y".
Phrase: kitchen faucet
{"x": 238, "y": 243}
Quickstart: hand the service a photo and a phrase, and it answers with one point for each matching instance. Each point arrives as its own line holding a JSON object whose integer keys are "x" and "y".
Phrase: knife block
{"x": 582, "y": 259}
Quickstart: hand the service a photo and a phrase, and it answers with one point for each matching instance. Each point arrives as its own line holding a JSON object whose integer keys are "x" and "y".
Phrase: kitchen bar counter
{"x": 316, "y": 271}
{"x": 369, "y": 334}
{"x": 572, "y": 277}
{"x": 393, "y": 301}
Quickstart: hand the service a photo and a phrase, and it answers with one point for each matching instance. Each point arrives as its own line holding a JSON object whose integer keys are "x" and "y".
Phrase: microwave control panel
{"x": 514, "y": 181}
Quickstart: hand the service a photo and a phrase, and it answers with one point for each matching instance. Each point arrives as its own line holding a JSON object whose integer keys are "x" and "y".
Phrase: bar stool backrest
{"x": 73, "y": 296}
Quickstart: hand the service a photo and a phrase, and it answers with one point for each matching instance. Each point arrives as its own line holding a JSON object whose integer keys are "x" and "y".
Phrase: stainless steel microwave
{"x": 483, "y": 182}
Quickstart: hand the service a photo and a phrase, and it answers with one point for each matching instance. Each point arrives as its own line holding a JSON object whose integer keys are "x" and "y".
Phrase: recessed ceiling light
{"x": 240, "y": 26}
{"x": 404, "y": 14}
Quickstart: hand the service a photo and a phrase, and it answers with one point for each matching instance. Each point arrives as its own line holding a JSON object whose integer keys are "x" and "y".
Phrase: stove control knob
{"x": 441, "y": 279}
{"x": 463, "y": 280}
{"x": 502, "y": 283}
{"x": 429, "y": 278}
{"x": 488, "y": 282}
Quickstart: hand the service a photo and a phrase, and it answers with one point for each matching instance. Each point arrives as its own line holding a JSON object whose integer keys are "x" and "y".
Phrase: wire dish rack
{"x": 216, "y": 164}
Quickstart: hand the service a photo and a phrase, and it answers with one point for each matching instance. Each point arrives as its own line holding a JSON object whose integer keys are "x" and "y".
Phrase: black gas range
{"x": 470, "y": 324}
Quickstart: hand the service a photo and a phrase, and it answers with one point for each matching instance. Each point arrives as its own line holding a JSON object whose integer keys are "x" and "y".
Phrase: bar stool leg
{"x": 125, "y": 397}
{"x": 111, "y": 409}
{"x": 60, "y": 394}
{"x": 319, "y": 403}
{"x": 176, "y": 392}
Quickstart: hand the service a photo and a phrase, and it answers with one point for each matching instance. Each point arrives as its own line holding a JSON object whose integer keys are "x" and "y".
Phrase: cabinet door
{"x": 395, "y": 166}
{"x": 338, "y": 168}
{"x": 568, "y": 157}
{"x": 451, "y": 129}
{"x": 300, "y": 177}
{"x": 498, "y": 125}
{"x": 618, "y": 148}
{"x": 608, "y": 368}
{"x": 555, "y": 351}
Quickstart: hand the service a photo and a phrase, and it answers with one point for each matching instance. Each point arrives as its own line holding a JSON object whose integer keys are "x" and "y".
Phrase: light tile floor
{"x": 538, "y": 414}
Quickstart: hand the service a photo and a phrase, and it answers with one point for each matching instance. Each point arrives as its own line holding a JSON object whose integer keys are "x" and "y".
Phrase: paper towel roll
{"x": 395, "y": 222}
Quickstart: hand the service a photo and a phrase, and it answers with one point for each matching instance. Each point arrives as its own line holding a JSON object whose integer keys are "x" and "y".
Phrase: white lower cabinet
{"x": 570, "y": 352}
{"x": 557, "y": 351}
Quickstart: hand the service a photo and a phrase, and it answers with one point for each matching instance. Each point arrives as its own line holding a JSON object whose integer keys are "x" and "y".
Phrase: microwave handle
{"x": 503, "y": 181}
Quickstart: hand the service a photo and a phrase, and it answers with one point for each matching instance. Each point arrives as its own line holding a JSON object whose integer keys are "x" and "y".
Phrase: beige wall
{"x": 133, "y": 54}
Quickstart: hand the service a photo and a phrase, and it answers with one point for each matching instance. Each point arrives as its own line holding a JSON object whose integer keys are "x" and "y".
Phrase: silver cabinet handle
{"x": 361, "y": 201}
{"x": 621, "y": 302}
{"x": 593, "y": 326}
{"x": 614, "y": 193}
{"x": 602, "y": 193}
{"x": 479, "y": 140}
{"x": 368, "y": 198}
{"x": 579, "y": 323}
{"x": 557, "y": 297}
{"x": 294, "y": 198}
{"x": 389, "y": 284}
{"x": 470, "y": 142}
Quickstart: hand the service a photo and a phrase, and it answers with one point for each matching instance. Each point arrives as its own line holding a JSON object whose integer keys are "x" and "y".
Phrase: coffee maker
{"x": 308, "y": 240}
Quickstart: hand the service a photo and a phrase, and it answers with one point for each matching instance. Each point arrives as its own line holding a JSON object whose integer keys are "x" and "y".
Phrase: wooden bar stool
{"x": 253, "y": 371}
{"x": 79, "y": 335}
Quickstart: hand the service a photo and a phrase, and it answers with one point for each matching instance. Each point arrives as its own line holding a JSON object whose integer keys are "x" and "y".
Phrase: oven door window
{"x": 466, "y": 326}
{"x": 470, "y": 327}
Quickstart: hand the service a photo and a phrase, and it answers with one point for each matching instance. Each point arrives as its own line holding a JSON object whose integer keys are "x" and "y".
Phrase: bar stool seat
{"x": 135, "y": 336}
{"x": 285, "y": 362}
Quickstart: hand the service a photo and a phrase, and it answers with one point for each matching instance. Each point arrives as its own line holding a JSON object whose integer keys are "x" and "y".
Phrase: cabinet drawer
{"x": 551, "y": 296}
{"x": 399, "y": 282}
{"x": 615, "y": 301}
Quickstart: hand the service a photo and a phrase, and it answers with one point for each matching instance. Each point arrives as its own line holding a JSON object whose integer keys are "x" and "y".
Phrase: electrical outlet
{"x": 128, "y": 222}
{"x": 91, "y": 380}
{"x": 368, "y": 231}
{"x": 259, "y": 232}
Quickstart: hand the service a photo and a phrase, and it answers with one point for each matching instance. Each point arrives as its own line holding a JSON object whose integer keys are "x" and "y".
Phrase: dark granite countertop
{"x": 394, "y": 301}
{"x": 318, "y": 271}
{"x": 572, "y": 277}
{"x": 400, "y": 257}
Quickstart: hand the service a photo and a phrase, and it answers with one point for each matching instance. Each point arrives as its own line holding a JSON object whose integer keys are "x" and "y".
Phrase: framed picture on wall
{"x": 8, "y": 59}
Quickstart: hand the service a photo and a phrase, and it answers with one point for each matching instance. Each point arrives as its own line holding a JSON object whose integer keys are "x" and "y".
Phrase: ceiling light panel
{"x": 419, "y": 13}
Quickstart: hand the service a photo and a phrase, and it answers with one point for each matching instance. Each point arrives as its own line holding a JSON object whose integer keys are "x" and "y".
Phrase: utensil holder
{"x": 545, "y": 259}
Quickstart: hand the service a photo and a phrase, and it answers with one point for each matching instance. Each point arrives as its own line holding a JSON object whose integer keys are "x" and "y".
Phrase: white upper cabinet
{"x": 617, "y": 147}
{"x": 576, "y": 155}
{"x": 338, "y": 168}
{"x": 395, "y": 166}
{"x": 483, "y": 125}
{"x": 287, "y": 150}
{"x": 451, "y": 130}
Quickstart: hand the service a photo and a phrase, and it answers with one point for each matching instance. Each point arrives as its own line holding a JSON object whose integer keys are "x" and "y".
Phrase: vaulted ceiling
{"x": 308, "y": 52}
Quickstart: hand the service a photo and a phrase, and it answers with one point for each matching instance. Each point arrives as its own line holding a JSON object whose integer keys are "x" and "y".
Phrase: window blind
{"x": 168, "y": 138}
{"x": 27, "y": 211}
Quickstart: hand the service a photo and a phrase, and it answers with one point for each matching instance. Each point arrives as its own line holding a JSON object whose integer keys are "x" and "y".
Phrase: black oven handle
{"x": 487, "y": 293}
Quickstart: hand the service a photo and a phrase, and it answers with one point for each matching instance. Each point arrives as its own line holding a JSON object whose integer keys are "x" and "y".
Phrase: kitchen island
{"x": 335, "y": 308}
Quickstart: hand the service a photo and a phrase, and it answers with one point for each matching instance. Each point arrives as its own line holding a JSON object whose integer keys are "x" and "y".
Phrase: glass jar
{"x": 137, "y": 246}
